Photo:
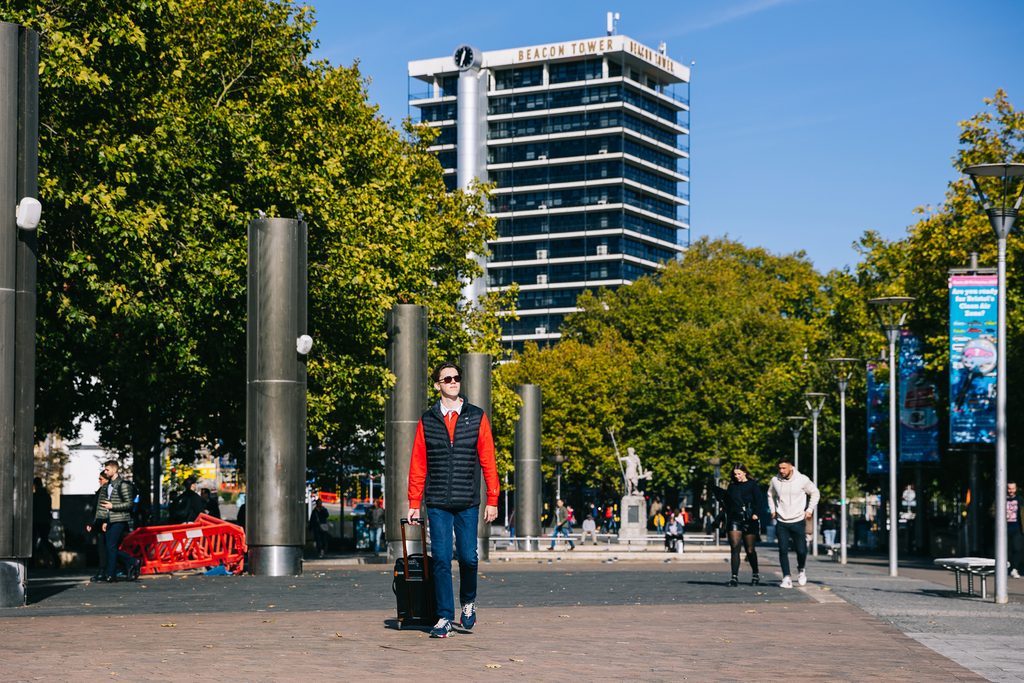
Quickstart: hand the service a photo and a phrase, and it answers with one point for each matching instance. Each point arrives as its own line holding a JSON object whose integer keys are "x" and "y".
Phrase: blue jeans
{"x": 115, "y": 532}
{"x": 562, "y": 531}
{"x": 442, "y": 523}
{"x": 795, "y": 533}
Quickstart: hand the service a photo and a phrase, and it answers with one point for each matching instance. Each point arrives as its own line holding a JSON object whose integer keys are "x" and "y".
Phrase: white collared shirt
{"x": 444, "y": 411}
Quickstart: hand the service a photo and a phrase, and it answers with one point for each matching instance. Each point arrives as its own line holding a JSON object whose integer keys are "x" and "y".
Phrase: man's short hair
{"x": 440, "y": 368}
{"x": 112, "y": 463}
{"x": 784, "y": 459}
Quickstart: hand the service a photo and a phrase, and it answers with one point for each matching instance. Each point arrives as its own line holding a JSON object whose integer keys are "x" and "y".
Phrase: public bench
{"x": 982, "y": 567}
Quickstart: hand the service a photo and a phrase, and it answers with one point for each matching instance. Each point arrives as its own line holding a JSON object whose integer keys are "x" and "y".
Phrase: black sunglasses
{"x": 449, "y": 379}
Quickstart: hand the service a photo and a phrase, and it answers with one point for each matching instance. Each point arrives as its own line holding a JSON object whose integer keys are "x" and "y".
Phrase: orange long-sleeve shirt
{"x": 484, "y": 449}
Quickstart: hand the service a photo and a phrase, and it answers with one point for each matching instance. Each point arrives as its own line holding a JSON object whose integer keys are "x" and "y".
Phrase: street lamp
{"x": 892, "y": 313}
{"x": 815, "y": 402}
{"x": 796, "y": 423}
{"x": 559, "y": 459}
{"x": 842, "y": 370}
{"x": 1002, "y": 218}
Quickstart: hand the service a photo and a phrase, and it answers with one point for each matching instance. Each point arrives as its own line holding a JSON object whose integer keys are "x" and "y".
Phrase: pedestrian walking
{"x": 743, "y": 503}
{"x": 113, "y": 514}
{"x": 95, "y": 526}
{"x": 452, "y": 449}
{"x": 562, "y": 525}
{"x": 829, "y": 526}
{"x": 320, "y": 526}
{"x": 1014, "y": 529}
{"x": 377, "y": 525}
{"x": 792, "y": 497}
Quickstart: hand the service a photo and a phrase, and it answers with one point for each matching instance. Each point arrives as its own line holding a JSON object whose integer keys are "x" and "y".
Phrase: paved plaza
{"x": 538, "y": 620}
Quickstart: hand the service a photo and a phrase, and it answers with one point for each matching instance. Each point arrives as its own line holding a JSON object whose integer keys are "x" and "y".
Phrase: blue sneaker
{"x": 442, "y": 629}
{"x": 469, "y": 616}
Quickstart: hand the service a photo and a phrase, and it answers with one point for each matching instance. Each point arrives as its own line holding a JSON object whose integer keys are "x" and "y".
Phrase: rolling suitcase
{"x": 413, "y": 584}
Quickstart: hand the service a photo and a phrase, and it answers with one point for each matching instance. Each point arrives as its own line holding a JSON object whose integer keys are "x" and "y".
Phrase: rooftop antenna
{"x": 613, "y": 20}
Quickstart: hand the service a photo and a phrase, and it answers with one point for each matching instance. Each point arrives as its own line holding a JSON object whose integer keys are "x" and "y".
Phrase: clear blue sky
{"x": 812, "y": 120}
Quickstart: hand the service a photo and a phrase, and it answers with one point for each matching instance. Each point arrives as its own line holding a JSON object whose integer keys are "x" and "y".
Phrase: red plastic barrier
{"x": 206, "y": 542}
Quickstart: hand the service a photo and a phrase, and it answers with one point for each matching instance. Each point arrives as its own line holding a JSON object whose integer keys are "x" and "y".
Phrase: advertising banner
{"x": 918, "y": 405}
{"x": 878, "y": 418}
{"x": 972, "y": 358}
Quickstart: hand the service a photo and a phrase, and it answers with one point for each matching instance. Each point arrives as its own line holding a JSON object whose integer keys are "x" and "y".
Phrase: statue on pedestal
{"x": 634, "y": 472}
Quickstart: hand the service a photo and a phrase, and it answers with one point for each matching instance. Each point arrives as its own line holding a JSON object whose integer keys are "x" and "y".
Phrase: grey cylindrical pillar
{"x": 19, "y": 71}
{"x": 407, "y": 361}
{"x": 527, "y": 455}
{"x": 25, "y": 293}
{"x": 276, "y": 397}
{"x": 476, "y": 387}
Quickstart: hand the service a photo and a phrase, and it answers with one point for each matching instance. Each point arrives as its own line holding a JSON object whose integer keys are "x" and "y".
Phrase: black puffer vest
{"x": 453, "y": 468}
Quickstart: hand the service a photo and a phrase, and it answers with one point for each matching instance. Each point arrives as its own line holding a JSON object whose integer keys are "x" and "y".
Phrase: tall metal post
{"x": 842, "y": 370}
{"x": 19, "y": 117}
{"x": 892, "y": 314}
{"x": 527, "y": 455}
{"x": 815, "y": 402}
{"x": 796, "y": 425}
{"x": 476, "y": 386}
{"x": 407, "y": 361}
{"x": 1001, "y": 216}
{"x": 276, "y": 397}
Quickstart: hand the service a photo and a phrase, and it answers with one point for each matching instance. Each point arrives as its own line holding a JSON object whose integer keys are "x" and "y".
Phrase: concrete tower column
{"x": 19, "y": 118}
{"x": 476, "y": 387}
{"x": 527, "y": 457}
{"x": 276, "y": 397}
{"x": 471, "y": 147}
{"x": 407, "y": 361}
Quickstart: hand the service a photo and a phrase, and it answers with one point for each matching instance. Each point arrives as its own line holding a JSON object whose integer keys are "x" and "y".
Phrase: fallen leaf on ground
{"x": 513, "y": 659}
{"x": 560, "y": 616}
{"x": 338, "y": 635}
{"x": 751, "y": 611}
{"x": 494, "y": 666}
{"x": 168, "y": 625}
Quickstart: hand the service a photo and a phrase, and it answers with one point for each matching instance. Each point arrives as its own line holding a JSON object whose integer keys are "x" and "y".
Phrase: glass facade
{"x": 589, "y": 157}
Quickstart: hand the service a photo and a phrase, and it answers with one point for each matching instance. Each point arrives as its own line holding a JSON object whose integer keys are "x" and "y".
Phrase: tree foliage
{"x": 165, "y": 126}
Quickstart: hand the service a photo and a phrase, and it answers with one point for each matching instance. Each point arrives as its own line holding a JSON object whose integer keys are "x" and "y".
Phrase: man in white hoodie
{"x": 792, "y": 498}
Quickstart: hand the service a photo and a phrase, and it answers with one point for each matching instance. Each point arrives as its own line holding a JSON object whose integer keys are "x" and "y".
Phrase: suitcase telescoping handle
{"x": 404, "y": 522}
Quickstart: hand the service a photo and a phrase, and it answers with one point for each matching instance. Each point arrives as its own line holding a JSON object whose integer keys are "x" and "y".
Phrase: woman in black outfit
{"x": 744, "y": 504}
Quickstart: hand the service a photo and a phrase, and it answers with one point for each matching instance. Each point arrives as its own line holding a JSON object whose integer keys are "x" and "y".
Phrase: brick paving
{"x": 641, "y": 621}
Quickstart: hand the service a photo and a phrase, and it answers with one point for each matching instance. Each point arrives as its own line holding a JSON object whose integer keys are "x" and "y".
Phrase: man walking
{"x": 377, "y": 525}
{"x": 792, "y": 498}
{"x": 113, "y": 515}
{"x": 453, "y": 445}
{"x": 561, "y": 525}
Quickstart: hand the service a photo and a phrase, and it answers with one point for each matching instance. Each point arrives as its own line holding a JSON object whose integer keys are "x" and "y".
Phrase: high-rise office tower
{"x": 587, "y": 144}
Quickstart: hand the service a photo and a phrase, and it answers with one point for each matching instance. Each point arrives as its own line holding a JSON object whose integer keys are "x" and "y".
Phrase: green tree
{"x": 165, "y": 126}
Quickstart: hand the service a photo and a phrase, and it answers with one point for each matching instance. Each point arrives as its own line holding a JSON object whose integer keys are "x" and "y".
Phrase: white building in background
{"x": 587, "y": 142}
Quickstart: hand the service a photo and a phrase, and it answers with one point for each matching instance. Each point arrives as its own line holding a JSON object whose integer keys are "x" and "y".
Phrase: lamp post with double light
{"x": 842, "y": 370}
{"x": 815, "y": 402}
{"x": 892, "y": 314}
{"x": 1002, "y": 217}
{"x": 796, "y": 424}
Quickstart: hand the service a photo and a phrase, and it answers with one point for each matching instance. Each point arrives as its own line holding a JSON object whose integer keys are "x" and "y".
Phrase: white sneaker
{"x": 786, "y": 582}
{"x": 1014, "y": 573}
{"x": 802, "y": 578}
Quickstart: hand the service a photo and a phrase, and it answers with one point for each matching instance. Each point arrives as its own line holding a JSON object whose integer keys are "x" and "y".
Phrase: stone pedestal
{"x": 633, "y": 513}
